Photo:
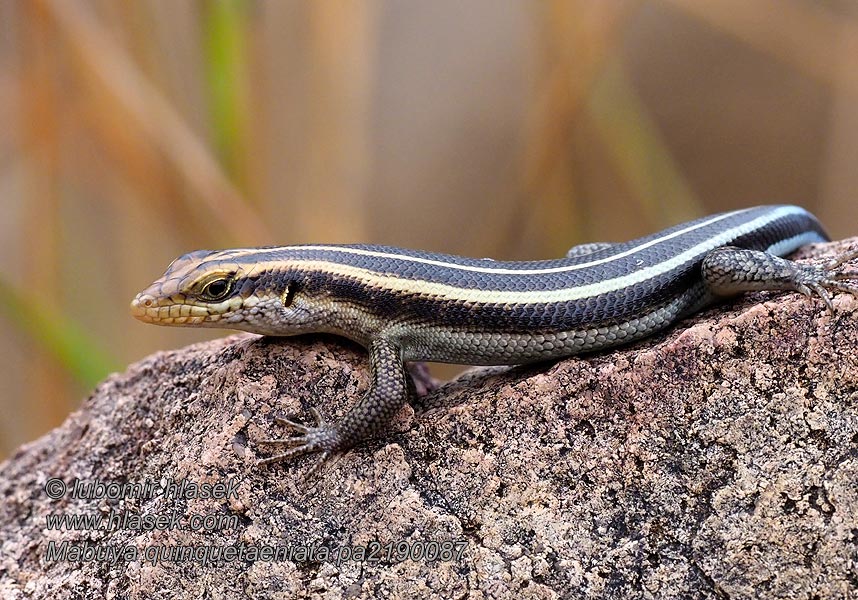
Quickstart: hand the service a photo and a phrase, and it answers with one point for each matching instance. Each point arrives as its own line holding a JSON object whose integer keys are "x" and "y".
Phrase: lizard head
{"x": 217, "y": 289}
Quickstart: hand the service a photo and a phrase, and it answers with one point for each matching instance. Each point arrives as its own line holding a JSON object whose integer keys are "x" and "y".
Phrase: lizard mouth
{"x": 148, "y": 309}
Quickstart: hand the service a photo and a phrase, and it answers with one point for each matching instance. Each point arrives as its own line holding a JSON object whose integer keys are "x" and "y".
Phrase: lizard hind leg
{"x": 729, "y": 270}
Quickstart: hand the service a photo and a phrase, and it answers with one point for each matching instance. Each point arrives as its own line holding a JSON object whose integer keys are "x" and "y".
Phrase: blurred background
{"x": 131, "y": 132}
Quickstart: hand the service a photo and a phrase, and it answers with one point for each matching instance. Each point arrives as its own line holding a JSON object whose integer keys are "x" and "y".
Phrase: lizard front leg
{"x": 387, "y": 393}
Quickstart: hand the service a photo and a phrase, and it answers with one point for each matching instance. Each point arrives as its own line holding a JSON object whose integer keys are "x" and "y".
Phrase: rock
{"x": 718, "y": 460}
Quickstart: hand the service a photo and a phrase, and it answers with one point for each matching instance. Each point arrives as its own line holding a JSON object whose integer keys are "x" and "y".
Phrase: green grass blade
{"x": 63, "y": 339}
{"x": 225, "y": 34}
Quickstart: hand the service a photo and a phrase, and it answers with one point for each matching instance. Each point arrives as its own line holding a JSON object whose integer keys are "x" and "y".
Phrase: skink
{"x": 407, "y": 305}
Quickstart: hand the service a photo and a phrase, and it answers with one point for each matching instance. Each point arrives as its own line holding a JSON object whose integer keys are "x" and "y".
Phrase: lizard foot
{"x": 322, "y": 438}
{"x": 818, "y": 280}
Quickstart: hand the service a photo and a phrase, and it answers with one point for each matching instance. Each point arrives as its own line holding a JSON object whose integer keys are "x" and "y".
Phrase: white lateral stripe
{"x": 768, "y": 217}
{"x": 491, "y": 296}
{"x": 791, "y": 244}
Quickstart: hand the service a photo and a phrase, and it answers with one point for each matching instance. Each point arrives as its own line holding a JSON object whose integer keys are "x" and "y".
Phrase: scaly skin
{"x": 406, "y": 305}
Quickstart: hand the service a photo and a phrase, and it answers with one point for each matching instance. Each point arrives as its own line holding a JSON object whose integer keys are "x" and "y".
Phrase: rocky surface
{"x": 718, "y": 460}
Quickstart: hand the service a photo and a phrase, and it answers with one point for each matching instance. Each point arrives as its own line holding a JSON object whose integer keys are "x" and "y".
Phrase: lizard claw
{"x": 820, "y": 280}
{"x": 295, "y": 426}
{"x": 824, "y": 295}
{"x": 841, "y": 260}
{"x": 322, "y": 438}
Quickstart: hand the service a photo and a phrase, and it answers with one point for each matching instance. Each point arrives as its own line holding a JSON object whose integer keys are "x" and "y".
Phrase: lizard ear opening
{"x": 288, "y": 294}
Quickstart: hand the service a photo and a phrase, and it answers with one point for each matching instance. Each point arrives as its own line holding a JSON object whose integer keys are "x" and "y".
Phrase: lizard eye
{"x": 217, "y": 289}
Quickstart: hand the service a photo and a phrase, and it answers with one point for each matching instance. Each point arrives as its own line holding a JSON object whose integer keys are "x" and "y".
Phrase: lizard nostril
{"x": 142, "y": 302}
